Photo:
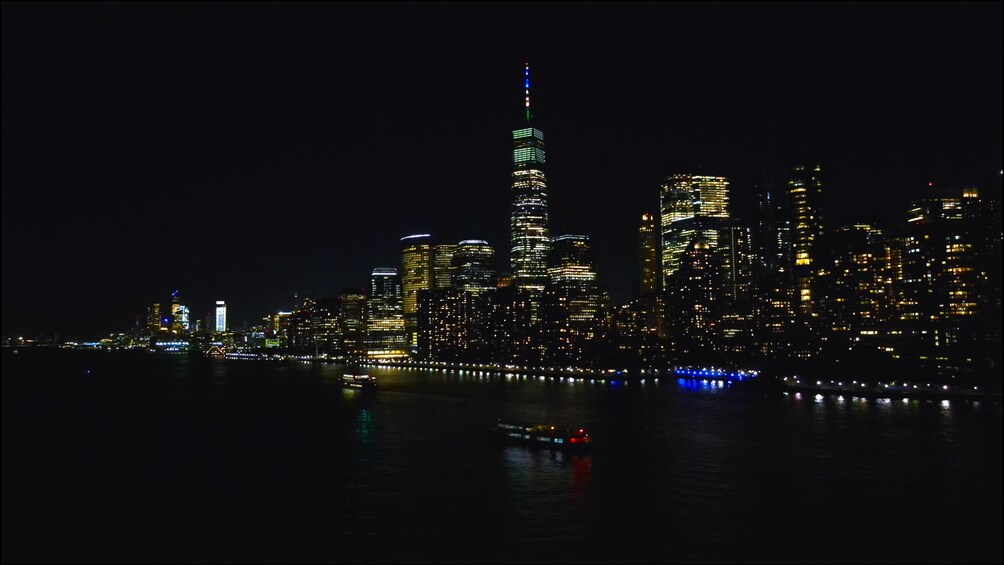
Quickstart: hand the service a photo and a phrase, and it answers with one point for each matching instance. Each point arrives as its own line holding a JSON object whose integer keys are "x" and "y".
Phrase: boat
{"x": 359, "y": 381}
{"x": 540, "y": 435}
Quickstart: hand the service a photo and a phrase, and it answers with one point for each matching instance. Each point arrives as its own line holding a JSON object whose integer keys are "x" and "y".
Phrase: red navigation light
{"x": 573, "y": 440}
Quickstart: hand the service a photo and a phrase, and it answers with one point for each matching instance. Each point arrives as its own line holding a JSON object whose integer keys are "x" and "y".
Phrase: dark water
{"x": 149, "y": 458}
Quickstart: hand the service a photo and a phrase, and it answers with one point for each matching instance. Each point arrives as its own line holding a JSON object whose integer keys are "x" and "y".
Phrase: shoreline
{"x": 751, "y": 381}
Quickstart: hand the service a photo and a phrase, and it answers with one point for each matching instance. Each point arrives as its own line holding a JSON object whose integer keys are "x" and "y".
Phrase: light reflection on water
{"x": 407, "y": 474}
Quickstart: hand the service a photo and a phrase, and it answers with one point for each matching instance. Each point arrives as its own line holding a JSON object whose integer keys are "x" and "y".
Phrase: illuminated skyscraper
{"x": 576, "y": 310}
{"x": 221, "y": 316}
{"x": 474, "y": 266}
{"x": 693, "y": 298}
{"x": 772, "y": 232}
{"x": 385, "y": 332}
{"x": 278, "y": 329}
{"x": 352, "y": 321}
{"x": 426, "y": 264}
{"x": 508, "y": 328}
{"x": 950, "y": 292}
{"x": 529, "y": 226}
{"x": 179, "y": 314}
{"x": 416, "y": 275}
{"x": 805, "y": 191}
{"x": 693, "y": 207}
{"x": 301, "y": 327}
{"x": 153, "y": 318}
{"x": 451, "y": 325}
{"x": 851, "y": 293}
{"x": 326, "y": 326}
{"x": 442, "y": 263}
{"x": 648, "y": 236}
{"x": 737, "y": 261}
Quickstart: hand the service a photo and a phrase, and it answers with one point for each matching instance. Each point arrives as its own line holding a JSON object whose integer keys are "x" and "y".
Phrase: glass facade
{"x": 692, "y": 207}
{"x": 474, "y": 266}
{"x": 805, "y": 191}
{"x": 221, "y": 316}
{"x": 737, "y": 261}
{"x": 529, "y": 226}
{"x": 385, "y": 332}
{"x": 442, "y": 264}
{"x": 426, "y": 264}
{"x": 575, "y": 309}
{"x": 179, "y": 314}
{"x": 352, "y": 322}
{"x": 648, "y": 236}
{"x": 416, "y": 275}
{"x": 153, "y": 318}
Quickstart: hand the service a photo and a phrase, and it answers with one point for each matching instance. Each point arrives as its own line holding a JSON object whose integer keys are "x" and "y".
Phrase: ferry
{"x": 359, "y": 381}
{"x": 540, "y": 435}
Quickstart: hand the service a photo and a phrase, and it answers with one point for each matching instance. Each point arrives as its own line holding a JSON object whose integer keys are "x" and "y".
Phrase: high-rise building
{"x": 693, "y": 298}
{"x": 529, "y": 226}
{"x": 326, "y": 326}
{"x": 805, "y": 191}
{"x": 301, "y": 328}
{"x": 179, "y": 314}
{"x": 474, "y": 266}
{"x": 737, "y": 262}
{"x": 442, "y": 263}
{"x": 153, "y": 318}
{"x": 416, "y": 275}
{"x": 772, "y": 241}
{"x": 775, "y": 306}
{"x": 278, "y": 328}
{"x": 451, "y": 325}
{"x": 950, "y": 297}
{"x": 648, "y": 236}
{"x": 693, "y": 207}
{"x": 452, "y": 315}
{"x": 508, "y": 324}
{"x": 385, "y": 331}
{"x": 426, "y": 264}
{"x": 352, "y": 321}
{"x": 221, "y": 316}
{"x": 576, "y": 311}
{"x": 851, "y": 293}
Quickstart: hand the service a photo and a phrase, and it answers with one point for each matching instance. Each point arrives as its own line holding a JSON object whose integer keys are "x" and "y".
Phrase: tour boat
{"x": 359, "y": 381}
{"x": 540, "y": 435}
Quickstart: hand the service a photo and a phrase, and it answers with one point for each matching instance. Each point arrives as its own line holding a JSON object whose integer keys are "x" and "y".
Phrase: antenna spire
{"x": 526, "y": 87}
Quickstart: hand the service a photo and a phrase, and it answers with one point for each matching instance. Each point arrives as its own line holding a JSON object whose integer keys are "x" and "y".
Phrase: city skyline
{"x": 122, "y": 246}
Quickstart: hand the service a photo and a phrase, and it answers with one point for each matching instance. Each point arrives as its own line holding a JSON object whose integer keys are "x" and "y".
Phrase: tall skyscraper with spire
{"x": 531, "y": 239}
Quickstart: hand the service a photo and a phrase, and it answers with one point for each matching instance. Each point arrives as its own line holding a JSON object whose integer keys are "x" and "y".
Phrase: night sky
{"x": 250, "y": 151}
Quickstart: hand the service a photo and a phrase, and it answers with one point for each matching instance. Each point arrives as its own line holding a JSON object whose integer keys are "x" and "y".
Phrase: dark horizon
{"x": 247, "y": 152}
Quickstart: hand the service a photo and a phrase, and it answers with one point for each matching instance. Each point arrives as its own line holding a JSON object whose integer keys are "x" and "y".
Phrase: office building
{"x": 385, "y": 330}
{"x": 576, "y": 311}
{"x": 153, "y": 319}
{"x": 474, "y": 266}
{"x": 805, "y": 193}
{"x": 426, "y": 264}
{"x": 692, "y": 207}
{"x": 529, "y": 223}
{"x": 737, "y": 262}
{"x": 416, "y": 275}
{"x": 221, "y": 316}
{"x": 648, "y": 244}
{"x": 352, "y": 321}
{"x": 179, "y": 314}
